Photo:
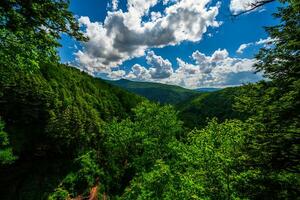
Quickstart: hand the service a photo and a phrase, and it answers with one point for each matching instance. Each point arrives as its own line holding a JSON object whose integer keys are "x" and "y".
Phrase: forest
{"x": 67, "y": 135}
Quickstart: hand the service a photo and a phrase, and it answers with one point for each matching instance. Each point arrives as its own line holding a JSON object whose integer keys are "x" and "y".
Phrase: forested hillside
{"x": 197, "y": 111}
{"x": 162, "y": 93}
{"x": 54, "y": 111}
{"x": 66, "y": 135}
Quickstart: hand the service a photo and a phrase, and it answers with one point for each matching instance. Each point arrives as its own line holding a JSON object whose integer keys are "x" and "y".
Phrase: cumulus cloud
{"x": 206, "y": 63}
{"x": 124, "y": 35}
{"x": 238, "y": 6}
{"x": 216, "y": 70}
{"x": 139, "y": 72}
{"x": 117, "y": 74}
{"x": 160, "y": 68}
{"x": 213, "y": 71}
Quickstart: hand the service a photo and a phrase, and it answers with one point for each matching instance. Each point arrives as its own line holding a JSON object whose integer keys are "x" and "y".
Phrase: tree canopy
{"x": 67, "y": 135}
{"x": 30, "y": 29}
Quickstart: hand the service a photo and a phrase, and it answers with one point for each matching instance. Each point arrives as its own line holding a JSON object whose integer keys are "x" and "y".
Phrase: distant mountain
{"x": 208, "y": 89}
{"x": 166, "y": 94}
{"x": 195, "y": 111}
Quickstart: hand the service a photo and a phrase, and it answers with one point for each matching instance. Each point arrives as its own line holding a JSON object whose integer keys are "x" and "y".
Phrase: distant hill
{"x": 208, "y": 89}
{"x": 166, "y": 94}
{"x": 195, "y": 111}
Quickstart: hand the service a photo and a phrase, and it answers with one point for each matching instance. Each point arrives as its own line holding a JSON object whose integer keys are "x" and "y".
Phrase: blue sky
{"x": 131, "y": 44}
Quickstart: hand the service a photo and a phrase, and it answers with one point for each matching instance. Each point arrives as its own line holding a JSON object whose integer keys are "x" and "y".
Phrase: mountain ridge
{"x": 158, "y": 92}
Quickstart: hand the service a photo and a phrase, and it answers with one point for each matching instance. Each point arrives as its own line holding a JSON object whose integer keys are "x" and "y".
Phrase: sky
{"x": 190, "y": 43}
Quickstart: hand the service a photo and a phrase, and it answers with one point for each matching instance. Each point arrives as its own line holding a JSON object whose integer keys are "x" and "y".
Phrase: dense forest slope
{"x": 156, "y": 91}
{"x": 55, "y": 111}
{"x": 65, "y": 135}
{"x": 196, "y": 111}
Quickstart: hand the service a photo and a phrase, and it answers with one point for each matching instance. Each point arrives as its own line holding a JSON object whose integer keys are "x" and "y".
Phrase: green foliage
{"x": 197, "y": 111}
{"x": 29, "y": 31}
{"x": 55, "y": 112}
{"x": 162, "y": 93}
{"x": 60, "y": 103}
{"x": 281, "y": 63}
{"x": 134, "y": 146}
{"x": 6, "y": 154}
{"x": 218, "y": 153}
{"x": 274, "y": 107}
{"x": 207, "y": 167}
{"x": 159, "y": 126}
{"x": 59, "y": 194}
{"x": 84, "y": 176}
{"x": 150, "y": 185}
{"x": 73, "y": 132}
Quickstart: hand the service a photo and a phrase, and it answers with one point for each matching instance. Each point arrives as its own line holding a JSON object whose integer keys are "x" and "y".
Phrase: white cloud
{"x": 238, "y": 6}
{"x": 242, "y": 47}
{"x": 266, "y": 42}
{"x": 217, "y": 70}
{"x": 140, "y": 7}
{"x": 117, "y": 74}
{"x": 219, "y": 55}
{"x": 115, "y": 4}
{"x": 160, "y": 68}
{"x": 123, "y": 35}
{"x": 155, "y": 15}
{"x": 138, "y": 72}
